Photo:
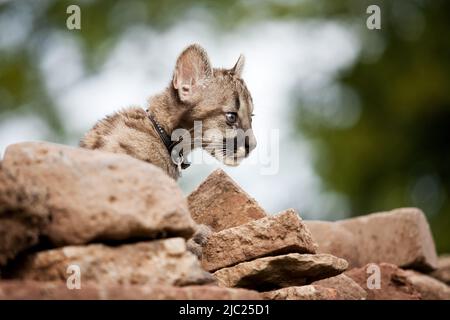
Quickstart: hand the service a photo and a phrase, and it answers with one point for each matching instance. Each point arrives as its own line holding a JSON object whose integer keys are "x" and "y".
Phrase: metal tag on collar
{"x": 185, "y": 165}
{"x": 178, "y": 159}
{"x": 180, "y": 164}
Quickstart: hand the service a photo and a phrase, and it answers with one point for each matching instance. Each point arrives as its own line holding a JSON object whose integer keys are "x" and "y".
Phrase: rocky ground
{"x": 81, "y": 224}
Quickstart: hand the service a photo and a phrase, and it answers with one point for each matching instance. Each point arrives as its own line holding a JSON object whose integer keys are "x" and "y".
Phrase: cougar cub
{"x": 216, "y": 97}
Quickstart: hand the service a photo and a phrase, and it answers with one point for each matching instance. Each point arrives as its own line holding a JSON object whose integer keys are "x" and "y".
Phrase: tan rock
{"x": 221, "y": 204}
{"x": 36, "y": 290}
{"x": 442, "y": 272}
{"x": 22, "y": 215}
{"x": 17, "y": 233}
{"x": 279, "y": 234}
{"x": 334, "y": 239}
{"x": 346, "y": 288}
{"x": 309, "y": 292}
{"x": 401, "y": 237}
{"x": 288, "y": 270}
{"x": 429, "y": 288}
{"x": 17, "y": 194}
{"x": 145, "y": 263}
{"x": 394, "y": 283}
{"x": 95, "y": 195}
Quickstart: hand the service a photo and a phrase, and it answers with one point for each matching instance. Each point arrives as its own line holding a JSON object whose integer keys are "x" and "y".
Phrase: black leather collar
{"x": 167, "y": 140}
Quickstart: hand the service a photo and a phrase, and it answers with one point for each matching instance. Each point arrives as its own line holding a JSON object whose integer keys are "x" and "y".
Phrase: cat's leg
{"x": 199, "y": 239}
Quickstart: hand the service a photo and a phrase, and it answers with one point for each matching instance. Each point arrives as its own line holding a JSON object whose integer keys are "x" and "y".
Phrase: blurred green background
{"x": 379, "y": 132}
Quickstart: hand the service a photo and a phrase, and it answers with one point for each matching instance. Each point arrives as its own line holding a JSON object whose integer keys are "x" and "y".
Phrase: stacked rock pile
{"x": 117, "y": 221}
{"x": 284, "y": 257}
{"x": 82, "y": 224}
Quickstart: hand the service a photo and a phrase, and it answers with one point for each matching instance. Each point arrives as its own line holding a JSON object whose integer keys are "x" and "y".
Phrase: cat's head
{"x": 219, "y": 99}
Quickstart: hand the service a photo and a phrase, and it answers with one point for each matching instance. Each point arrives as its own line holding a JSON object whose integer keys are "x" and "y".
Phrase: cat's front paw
{"x": 199, "y": 239}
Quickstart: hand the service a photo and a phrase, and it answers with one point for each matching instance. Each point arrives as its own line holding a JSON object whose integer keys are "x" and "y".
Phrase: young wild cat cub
{"x": 218, "y": 98}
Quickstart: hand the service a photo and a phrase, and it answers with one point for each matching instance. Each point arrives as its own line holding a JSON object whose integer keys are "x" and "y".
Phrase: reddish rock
{"x": 429, "y": 288}
{"x": 288, "y": 270}
{"x": 279, "y": 234}
{"x": 309, "y": 292}
{"x": 394, "y": 283}
{"x": 334, "y": 239}
{"x": 34, "y": 290}
{"x": 442, "y": 272}
{"x": 156, "y": 262}
{"x": 346, "y": 288}
{"x": 221, "y": 204}
{"x": 95, "y": 195}
{"x": 401, "y": 237}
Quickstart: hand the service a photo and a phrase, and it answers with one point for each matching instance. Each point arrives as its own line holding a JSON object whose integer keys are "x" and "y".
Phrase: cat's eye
{"x": 231, "y": 117}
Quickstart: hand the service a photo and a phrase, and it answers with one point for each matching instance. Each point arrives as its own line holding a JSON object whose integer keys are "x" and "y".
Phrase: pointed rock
{"x": 221, "y": 204}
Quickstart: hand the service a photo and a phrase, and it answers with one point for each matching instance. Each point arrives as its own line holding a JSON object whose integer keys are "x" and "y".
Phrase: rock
{"x": 401, "y": 237}
{"x": 279, "y": 234}
{"x": 345, "y": 287}
{"x": 17, "y": 194}
{"x": 221, "y": 204}
{"x": 309, "y": 292}
{"x": 22, "y": 215}
{"x": 17, "y": 233}
{"x": 394, "y": 283}
{"x": 288, "y": 270}
{"x": 34, "y": 290}
{"x": 443, "y": 269}
{"x": 95, "y": 195}
{"x": 159, "y": 262}
{"x": 334, "y": 239}
{"x": 429, "y": 288}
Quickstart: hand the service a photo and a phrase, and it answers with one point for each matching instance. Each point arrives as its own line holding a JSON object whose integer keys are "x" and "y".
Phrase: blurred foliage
{"x": 398, "y": 152}
{"x": 394, "y": 153}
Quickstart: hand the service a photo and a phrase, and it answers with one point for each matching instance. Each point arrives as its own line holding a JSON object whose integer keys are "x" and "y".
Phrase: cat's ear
{"x": 239, "y": 66}
{"x": 192, "y": 70}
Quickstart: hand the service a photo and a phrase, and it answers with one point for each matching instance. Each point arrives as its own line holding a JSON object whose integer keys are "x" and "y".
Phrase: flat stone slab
{"x": 36, "y": 290}
{"x": 159, "y": 262}
{"x": 308, "y": 292}
{"x": 269, "y": 273}
{"x": 220, "y": 203}
{"x": 279, "y": 234}
{"x": 401, "y": 237}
